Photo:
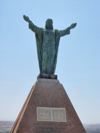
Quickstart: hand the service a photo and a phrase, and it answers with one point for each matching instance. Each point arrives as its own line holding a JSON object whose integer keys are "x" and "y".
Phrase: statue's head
{"x": 49, "y": 24}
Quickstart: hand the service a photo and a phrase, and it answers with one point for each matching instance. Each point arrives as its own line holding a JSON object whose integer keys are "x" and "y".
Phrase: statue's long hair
{"x": 47, "y": 26}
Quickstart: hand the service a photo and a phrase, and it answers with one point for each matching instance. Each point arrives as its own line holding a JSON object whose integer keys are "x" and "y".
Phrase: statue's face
{"x": 49, "y": 24}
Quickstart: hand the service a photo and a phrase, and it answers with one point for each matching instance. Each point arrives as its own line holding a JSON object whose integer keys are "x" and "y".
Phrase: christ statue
{"x": 47, "y": 41}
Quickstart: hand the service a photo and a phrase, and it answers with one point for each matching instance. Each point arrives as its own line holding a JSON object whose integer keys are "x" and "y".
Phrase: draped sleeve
{"x": 64, "y": 32}
{"x": 39, "y": 41}
{"x": 35, "y": 28}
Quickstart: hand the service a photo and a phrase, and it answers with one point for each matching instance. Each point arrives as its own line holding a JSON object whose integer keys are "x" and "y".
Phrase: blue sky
{"x": 78, "y": 64}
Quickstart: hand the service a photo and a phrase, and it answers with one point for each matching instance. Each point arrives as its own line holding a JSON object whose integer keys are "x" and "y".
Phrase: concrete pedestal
{"x": 47, "y": 109}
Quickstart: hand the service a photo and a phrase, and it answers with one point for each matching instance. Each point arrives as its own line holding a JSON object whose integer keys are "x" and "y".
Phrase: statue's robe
{"x": 47, "y": 47}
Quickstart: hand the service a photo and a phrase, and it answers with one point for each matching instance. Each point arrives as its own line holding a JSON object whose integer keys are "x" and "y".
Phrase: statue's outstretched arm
{"x": 33, "y": 27}
{"x": 67, "y": 30}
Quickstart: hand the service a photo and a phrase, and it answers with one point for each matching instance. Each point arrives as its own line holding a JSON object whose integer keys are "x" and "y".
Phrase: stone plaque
{"x": 43, "y": 114}
{"x": 51, "y": 114}
{"x": 59, "y": 114}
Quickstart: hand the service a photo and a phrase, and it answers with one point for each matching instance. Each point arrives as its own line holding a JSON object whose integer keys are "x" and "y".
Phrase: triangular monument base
{"x": 47, "y": 109}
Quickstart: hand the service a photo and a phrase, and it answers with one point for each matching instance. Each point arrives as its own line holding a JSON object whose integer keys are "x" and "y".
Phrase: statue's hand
{"x": 26, "y": 18}
{"x": 73, "y": 25}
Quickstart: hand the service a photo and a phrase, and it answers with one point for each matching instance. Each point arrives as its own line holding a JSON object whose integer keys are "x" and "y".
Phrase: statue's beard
{"x": 49, "y": 27}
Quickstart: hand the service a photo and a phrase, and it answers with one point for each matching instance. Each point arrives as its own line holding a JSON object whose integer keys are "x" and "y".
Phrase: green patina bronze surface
{"x": 47, "y": 40}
